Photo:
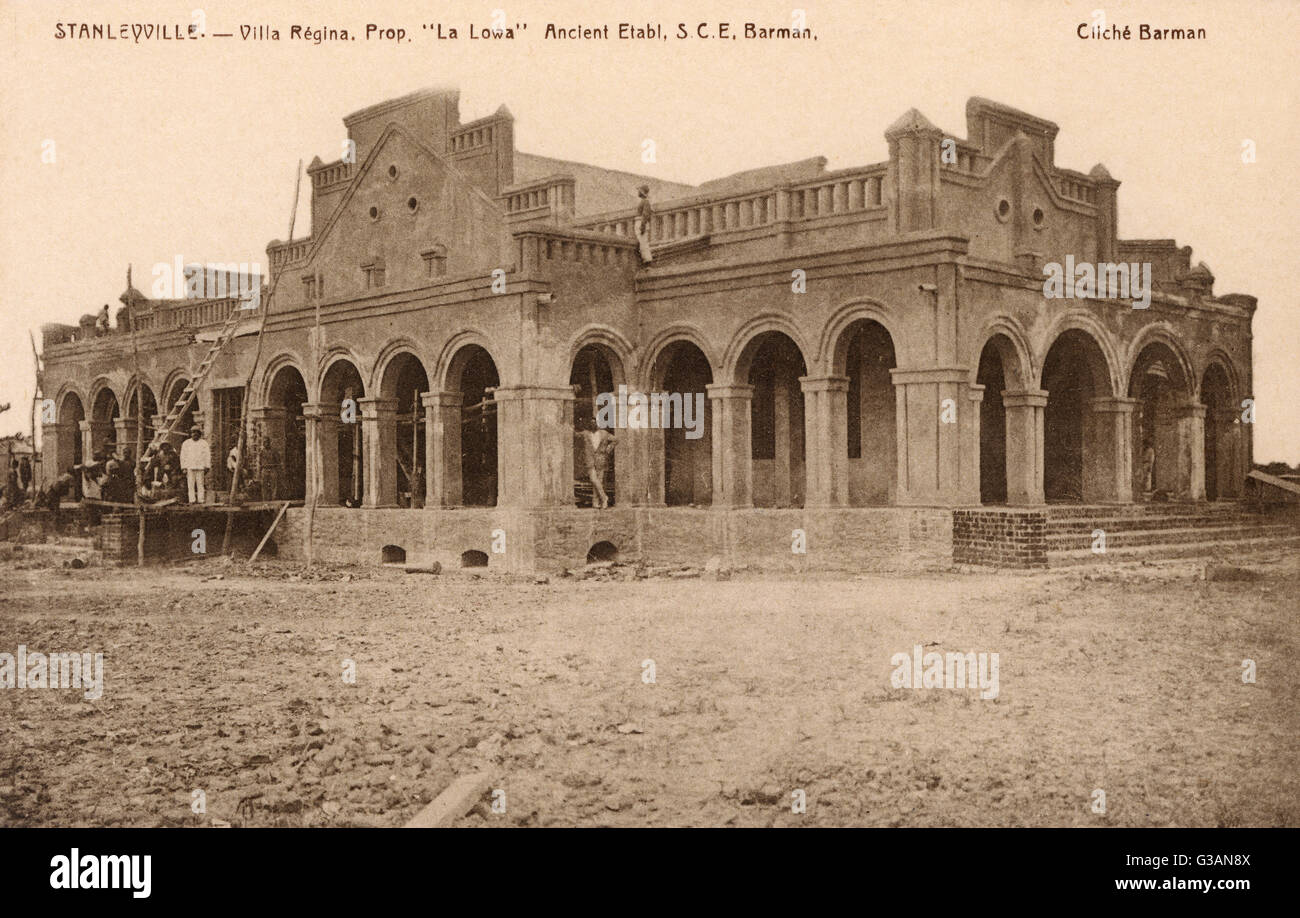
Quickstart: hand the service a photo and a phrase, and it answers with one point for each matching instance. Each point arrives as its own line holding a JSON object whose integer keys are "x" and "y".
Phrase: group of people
{"x": 169, "y": 475}
{"x": 18, "y": 481}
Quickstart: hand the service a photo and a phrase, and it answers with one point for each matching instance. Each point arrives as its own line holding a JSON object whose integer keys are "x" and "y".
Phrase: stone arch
{"x": 1013, "y": 350}
{"x": 595, "y": 375}
{"x": 69, "y": 449}
{"x": 102, "y": 398}
{"x": 328, "y": 361}
{"x": 271, "y": 369}
{"x": 1000, "y": 368}
{"x": 613, "y": 344}
{"x": 401, "y": 382}
{"x": 1223, "y": 437}
{"x": 1105, "y": 363}
{"x": 832, "y": 346}
{"x": 61, "y": 403}
{"x": 104, "y": 411}
{"x": 468, "y": 460}
{"x": 284, "y": 421}
{"x": 652, "y": 367}
{"x": 341, "y": 443}
{"x": 864, "y": 352}
{"x": 1164, "y": 446}
{"x": 681, "y": 466}
{"x": 1079, "y": 449}
{"x": 450, "y": 359}
{"x": 390, "y": 352}
{"x": 740, "y": 351}
{"x": 771, "y": 364}
{"x": 1220, "y": 358}
{"x": 1164, "y": 334}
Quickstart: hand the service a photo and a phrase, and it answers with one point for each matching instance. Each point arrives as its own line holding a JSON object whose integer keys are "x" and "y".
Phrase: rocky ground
{"x": 229, "y": 680}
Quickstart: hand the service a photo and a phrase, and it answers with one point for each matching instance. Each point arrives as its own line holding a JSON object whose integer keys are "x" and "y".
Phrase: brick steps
{"x": 1219, "y": 550}
{"x": 1169, "y": 536}
{"x": 1167, "y": 530}
{"x": 1146, "y": 523}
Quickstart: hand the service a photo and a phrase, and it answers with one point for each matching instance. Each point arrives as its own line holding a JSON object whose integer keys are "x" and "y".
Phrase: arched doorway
{"x": 997, "y": 372}
{"x": 404, "y": 382}
{"x": 772, "y": 363}
{"x": 104, "y": 411}
{"x": 287, "y": 395}
{"x": 133, "y": 413}
{"x": 592, "y": 375}
{"x": 1163, "y": 392}
{"x": 1221, "y": 420}
{"x": 1074, "y": 373}
{"x": 865, "y": 354}
{"x": 682, "y": 368}
{"x": 70, "y": 415}
{"x": 341, "y": 392}
{"x": 473, "y": 375}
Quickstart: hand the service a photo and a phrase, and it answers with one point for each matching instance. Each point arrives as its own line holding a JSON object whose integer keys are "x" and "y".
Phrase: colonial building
{"x": 878, "y": 360}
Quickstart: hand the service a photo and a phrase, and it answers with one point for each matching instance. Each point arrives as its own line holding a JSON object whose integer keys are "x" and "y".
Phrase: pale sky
{"x": 189, "y": 147}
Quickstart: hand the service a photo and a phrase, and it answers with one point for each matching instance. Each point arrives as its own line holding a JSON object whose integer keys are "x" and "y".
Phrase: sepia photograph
{"x": 654, "y": 415}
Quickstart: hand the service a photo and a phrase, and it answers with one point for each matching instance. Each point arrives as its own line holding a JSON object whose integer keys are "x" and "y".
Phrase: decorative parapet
{"x": 847, "y": 192}
{"x": 287, "y": 254}
{"x": 477, "y": 134}
{"x": 326, "y": 175}
{"x": 163, "y": 317}
{"x": 550, "y": 198}
{"x": 540, "y": 246}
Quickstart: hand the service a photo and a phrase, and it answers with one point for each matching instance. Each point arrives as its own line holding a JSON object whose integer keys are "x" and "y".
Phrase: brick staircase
{"x": 1138, "y": 532}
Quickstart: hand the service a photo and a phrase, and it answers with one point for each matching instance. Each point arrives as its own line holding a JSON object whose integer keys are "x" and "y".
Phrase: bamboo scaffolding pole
{"x": 240, "y": 441}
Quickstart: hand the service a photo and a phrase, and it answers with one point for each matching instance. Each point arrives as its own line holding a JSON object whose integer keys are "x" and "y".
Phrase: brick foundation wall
{"x": 170, "y": 536}
{"x": 1000, "y": 537}
{"x": 878, "y": 539}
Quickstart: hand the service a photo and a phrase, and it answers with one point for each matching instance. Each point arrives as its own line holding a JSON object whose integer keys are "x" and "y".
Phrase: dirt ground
{"x": 1128, "y": 681}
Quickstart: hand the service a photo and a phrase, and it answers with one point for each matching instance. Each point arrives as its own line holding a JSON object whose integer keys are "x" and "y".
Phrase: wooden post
{"x": 252, "y": 370}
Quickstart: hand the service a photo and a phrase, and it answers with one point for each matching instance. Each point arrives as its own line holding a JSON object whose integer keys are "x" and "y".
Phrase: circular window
{"x": 1004, "y": 209}
{"x": 1038, "y": 218}
{"x": 392, "y": 172}
{"x": 374, "y": 213}
{"x": 412, "y": 205}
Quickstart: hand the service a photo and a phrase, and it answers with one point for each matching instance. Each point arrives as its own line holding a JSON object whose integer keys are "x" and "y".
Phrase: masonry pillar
{"x": 442, "y": 448}
{"x": 733, "y": 465}
{"x": 322, "y": 429}
{"x": 58, "y": 448}
{"x": 534, "y": 446}
{"x": 781, "y": 489}
{"x": 94, "y": 434}
{"x": 932, "y": 435}
{"x": 1190, "y": 418}
{"x": 969, "y": 422}
{"x": 1024, "y": 413}
{"x": 826, "y": 440}
{"x": 1108, "y": 451}
{"x": 124, "y": 436}
{"x": 379, "y": 451}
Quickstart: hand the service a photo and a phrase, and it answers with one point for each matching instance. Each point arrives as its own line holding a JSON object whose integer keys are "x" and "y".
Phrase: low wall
{"x": 1000, "y": 537}
{"x": 877, "y": 538}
